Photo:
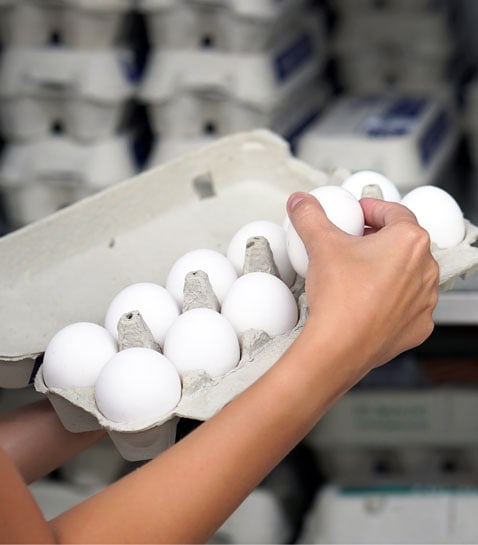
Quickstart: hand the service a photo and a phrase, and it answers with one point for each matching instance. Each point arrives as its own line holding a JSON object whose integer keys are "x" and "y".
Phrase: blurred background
{"x": 92, "y": 93}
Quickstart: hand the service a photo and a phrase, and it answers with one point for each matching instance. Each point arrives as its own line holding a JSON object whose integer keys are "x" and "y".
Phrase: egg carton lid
{"x": 257, "y": 9}
{"x": 82, "y": 255}
{"x": 99, "y": 75}
{"x": 263, "y": 79}
{"x": 95, "y": 165}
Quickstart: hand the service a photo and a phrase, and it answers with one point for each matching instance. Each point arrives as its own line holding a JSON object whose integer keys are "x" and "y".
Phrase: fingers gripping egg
{"x": 357, "y": 181}
{"x": 437, "y": 212}
{"x": 341, "y": 208}
{"x": 76, "y": 354}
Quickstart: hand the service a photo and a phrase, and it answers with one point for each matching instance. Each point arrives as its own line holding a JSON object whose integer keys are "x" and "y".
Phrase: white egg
{"x": 220, "y": 271}
{"x": 156, "y": 305}
{"x": 275, "y": 235}
{"x": 341, "y": 208}
{"x": 202, "y": 338}
{"x": 137, "y": 385}
{"x": 259, "y": 300}
{"x": 358, "y": 180}
{"x": 437, "y": 212}
{"x": 76, "y": 354}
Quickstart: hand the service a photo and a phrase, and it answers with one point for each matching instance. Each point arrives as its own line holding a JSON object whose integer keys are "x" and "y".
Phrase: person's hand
{"x": 376, "y": 292}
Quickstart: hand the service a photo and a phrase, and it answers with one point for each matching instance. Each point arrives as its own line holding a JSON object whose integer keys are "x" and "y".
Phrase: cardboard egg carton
{"x": 84, "y": 92}
{"x": 191, "y": 92}
{"x": 227, "y": 25}
{"x": 92, "y": 24}
{"x": 69, "y": 266}
{"x": 37, "y": 177}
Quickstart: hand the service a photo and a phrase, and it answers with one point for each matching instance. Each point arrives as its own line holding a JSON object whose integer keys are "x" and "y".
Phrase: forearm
{"x": 36, "y": 441}
{"x": 187, "y": 492}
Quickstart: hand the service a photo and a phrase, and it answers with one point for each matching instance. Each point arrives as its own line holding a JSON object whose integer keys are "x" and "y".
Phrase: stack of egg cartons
{"x": 222, "y": 66}
{"x": 468, "y": 19}
{"x": 394, "y": 44}
{"x": 65, "y": 88}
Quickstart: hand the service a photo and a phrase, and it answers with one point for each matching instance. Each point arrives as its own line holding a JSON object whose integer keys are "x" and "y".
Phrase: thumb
{"x": 307, "y": 216}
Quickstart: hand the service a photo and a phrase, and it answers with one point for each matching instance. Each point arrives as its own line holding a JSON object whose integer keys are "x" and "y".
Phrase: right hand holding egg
{"x": 381, "y": 287}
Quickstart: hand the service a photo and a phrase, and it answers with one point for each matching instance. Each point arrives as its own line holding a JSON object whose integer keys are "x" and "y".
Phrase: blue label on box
{"x": 433, "y": 137}
{"x": 293, "y": 57}
{"x": 398, "y": 119}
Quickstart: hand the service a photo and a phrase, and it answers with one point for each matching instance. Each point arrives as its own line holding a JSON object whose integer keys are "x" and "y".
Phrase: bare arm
{"x": 370, "y": 298}
{"x": 36, "y": 441}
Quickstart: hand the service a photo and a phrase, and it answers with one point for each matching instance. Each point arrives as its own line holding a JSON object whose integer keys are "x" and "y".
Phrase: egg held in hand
{"x": 76, "y": 354}
{"x": 438, "y": 213}
{"x": 155, "y": 304}
{"x": 137, "y": 385}
{"x": 341, "y": 208}
{"x": 259, "y": 300}
{"x": 357, "y": 181}
{"x": 220, "y": 271}
{"x": 202, "y": 338}
{"x": 275, "y": 235}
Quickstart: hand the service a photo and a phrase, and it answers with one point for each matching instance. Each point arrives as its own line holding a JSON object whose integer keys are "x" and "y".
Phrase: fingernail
{"x": 294, "y": 199}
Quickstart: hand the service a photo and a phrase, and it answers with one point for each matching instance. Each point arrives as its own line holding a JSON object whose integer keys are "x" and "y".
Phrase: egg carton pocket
{"x": 77, "y": 23}
{"x": 225, "y": 25}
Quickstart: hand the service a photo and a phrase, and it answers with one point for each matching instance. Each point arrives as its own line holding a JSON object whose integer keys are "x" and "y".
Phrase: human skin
{"x": 370, "y": 298}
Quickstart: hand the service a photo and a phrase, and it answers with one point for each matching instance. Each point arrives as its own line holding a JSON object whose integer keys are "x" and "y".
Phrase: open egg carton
{"x": 67, "y": 267}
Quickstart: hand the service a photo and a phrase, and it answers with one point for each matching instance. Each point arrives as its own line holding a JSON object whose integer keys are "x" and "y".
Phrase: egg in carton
{"x": 202, "y": 395}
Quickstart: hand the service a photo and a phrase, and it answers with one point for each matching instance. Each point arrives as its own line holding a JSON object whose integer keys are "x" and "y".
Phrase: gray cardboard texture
{"x": 68, "y": 267}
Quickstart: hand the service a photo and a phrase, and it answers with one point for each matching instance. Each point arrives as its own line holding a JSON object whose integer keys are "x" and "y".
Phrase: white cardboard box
{"x": 185, "y": 89}
{"x": 394, "y": 514}
{"x": 409, "y": 137}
